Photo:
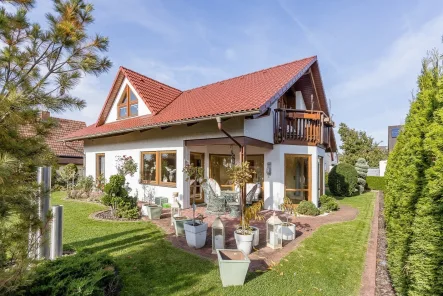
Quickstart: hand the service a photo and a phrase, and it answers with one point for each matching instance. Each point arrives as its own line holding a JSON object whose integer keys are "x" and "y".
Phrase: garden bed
{"x": 383, "y": 285}
{"x": 107, "y": 216}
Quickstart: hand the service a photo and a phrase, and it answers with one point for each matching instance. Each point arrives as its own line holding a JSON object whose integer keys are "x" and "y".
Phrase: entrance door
{"x": 198, "y": 159}
{"x": 298, "y": 177}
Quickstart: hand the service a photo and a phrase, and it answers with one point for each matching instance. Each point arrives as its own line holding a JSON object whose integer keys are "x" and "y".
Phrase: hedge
{"x": 342, "y": 180}
{"x": 376, "y": 182}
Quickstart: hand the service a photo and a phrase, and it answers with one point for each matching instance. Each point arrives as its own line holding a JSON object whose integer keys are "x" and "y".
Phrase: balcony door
{"x": 198, "y": 160}
{"x": 298, "y": 177}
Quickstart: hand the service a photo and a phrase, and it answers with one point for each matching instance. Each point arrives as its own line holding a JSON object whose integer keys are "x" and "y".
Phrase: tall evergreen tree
{"x": 405, "y": 178}
{"x": 425, "y": 261}
{"x": 38, "y": 68}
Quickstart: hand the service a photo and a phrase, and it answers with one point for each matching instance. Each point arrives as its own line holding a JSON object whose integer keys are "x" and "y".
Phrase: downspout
{"x": 242, "y": 159}
{"x": 82, "y": 152}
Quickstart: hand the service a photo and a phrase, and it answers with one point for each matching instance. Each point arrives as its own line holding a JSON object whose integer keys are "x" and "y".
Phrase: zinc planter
{"x": 233, "y": 266}
{"x": 244, "y": 242}
{"x": 179, "y": 225}
{"x": 256, "y": 233}
{"x": 152, "y": 211}
{"x": 195, "y": 234}
{"x": 288, "y": 231}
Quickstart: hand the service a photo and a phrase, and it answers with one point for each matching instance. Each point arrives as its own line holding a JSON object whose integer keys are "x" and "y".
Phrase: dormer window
{"x": 128, "y": 104}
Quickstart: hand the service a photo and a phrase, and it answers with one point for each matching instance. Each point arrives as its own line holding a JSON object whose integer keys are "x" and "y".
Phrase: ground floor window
{"x": 298, "y": 177}
{"x": 99, "y": 166}
{"x": 198, "y": 160}
{"x": 218, "y": 170}
{"x": 159, "y": 167}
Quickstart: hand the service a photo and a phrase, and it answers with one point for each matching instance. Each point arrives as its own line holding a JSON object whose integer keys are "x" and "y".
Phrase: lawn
{"x": 330, "y": 262}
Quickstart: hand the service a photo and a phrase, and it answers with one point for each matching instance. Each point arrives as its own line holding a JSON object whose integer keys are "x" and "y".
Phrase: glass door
{"x": 218, "y": 170}
{"x": 320, "y": 177}
{"x": 198, "y": 160}
{"x": 298, "y": 177}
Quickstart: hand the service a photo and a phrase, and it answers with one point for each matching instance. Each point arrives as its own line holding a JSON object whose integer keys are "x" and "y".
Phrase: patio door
{"x": 320, "y": 178}
{"x": 298, "y": 177}
{"x": 198, "y": 160}
{"x": 218, "y": 170}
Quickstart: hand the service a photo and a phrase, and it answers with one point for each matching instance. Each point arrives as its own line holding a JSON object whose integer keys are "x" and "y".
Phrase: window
{"x": 99, "y": 166}
{"x": 218, "y": 170}
{"x": 297, "y": 177}
{"x": 256, "y": 163}
{"x": 159, "y": 167}
{"x": 128, "y": 105}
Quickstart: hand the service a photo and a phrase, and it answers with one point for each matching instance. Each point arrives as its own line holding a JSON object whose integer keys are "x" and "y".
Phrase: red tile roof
{"x": 242, "y": 94}
{"x": 64, "y": 127}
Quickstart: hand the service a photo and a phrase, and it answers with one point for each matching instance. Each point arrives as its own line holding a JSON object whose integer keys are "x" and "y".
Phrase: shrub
{"x": 362, "y": 171}
{"x": 376, "y": 183}
{"x": 342, "y": 180}
{"x": 81, "y": 274}
{"x": 307, "y": 208}
{"x": 116, "y": 196}
{"x": 328, "y": 204}
{"x": 86, "y": 184}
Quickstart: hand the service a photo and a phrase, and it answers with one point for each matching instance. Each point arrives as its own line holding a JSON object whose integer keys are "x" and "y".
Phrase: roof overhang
{"x": 159, "y": 125}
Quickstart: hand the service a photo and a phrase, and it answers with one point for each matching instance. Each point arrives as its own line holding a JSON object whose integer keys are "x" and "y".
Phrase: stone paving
{"x": 262, "y": 257}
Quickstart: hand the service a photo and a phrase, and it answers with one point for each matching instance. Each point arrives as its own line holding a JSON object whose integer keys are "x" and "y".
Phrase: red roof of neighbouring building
{"x": 64, "y": 127}
{"x": 240, "y": 95}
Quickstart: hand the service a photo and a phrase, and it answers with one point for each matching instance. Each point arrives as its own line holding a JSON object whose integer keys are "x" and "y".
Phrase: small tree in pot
{"x": 239, "y": 175}
{"x": 196, "y": 229}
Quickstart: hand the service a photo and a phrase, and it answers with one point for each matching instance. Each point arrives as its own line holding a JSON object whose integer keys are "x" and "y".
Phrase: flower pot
{"x": 179, "y": 225}
{"x": 233, "y": 266}
{"x": 152, "y": 211}
{"x": 195, "y": 234}
{"x": 256, "y": 233}
{"x": 288, "y": 231}
{"x": 244, "y": 241}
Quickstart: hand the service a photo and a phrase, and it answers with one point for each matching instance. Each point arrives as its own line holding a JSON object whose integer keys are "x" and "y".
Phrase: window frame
{"x": 158, "y": 160}
{"x": 97, "y": 165}
{"x": 309, "y": 189}
{"x": 126, "y": 94}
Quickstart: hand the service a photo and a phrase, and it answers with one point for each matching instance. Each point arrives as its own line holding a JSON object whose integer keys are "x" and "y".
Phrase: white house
{"x": 278, "y": 115}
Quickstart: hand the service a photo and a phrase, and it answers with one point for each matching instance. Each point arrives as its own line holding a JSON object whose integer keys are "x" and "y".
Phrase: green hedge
{"x": 376, "y": 183}
{"x": 342, "y": 180}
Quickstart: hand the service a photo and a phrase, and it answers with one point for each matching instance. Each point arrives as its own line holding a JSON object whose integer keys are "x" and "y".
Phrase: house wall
{"x": 154, "y": 140}
{"x": 261, "y": 128}
{"x": 142, "y": 108}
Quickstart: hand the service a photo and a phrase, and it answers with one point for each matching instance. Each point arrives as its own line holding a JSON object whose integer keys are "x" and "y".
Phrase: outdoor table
{"x": 235, "y": 209}
{"x": 230, "y": 195}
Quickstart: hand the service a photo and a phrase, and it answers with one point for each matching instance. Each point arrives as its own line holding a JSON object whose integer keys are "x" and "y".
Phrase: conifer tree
{"x": 38, "y": 69}
{"x": 405, "y": 178}
{"x": 362, "y": 171}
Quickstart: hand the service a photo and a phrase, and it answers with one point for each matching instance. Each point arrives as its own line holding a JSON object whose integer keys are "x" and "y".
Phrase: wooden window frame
{"x": 158, "y": 181}
{"x": 127, "y": 104}
{"x": 309, "y": 190}
{"x": 97, "y": 165}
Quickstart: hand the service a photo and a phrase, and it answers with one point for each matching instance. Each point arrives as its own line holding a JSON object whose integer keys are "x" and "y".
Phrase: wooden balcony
{"x": 301, "y": 127}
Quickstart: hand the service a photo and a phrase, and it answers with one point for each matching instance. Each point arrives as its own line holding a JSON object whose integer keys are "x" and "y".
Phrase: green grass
{"x": 328, "y": 263}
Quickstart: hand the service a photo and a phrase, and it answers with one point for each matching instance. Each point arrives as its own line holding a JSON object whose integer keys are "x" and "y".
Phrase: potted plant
{"x": 244, "y": 235}
{"x": 149, "y": 208}
{"x": 179, "y": 224}
{"x": 196, "y": 229}
{"x": 233, "y": 266}
{"x": 288, "y": 228}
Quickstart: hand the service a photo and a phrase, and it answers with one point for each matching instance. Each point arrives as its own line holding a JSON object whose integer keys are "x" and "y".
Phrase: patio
{"x": 262, "y": 257}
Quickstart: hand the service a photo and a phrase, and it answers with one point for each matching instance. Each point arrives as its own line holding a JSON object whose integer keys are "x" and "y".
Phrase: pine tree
{"x": 362, "y": 168}
{"x": 405, "y": 179}
{"x": 38, "y": 69}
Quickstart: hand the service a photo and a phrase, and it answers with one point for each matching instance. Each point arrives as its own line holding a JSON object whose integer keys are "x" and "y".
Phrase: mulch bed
{"x": 107, "y": 215}
{"x": 383, "y": 285}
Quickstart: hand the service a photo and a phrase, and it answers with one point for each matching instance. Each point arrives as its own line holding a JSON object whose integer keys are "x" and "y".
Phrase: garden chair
{"x": 216, "y": 204}
{"x": 250, "y": 193}
{"x": 214, "y": 186}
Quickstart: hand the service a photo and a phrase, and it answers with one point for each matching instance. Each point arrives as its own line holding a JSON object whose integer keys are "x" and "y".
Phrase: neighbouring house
{"x": 393, "y": 132}
{"x": 278, "y": 116}
{"x": 66, "y": 152}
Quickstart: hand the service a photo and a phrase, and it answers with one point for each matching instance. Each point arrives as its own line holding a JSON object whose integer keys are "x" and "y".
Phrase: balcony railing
{"x": 300, "y": 127}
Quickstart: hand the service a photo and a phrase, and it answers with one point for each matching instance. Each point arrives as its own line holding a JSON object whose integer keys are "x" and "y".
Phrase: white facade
{"x": 173, "y": 138}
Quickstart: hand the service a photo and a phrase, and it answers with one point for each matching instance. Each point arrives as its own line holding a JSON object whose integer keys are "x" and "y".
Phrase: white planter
{"x": 196, "y": 235}
{"x": 256, "y": 233}
{"x": 244, "y": 242}
{"x": 288, "y": 231}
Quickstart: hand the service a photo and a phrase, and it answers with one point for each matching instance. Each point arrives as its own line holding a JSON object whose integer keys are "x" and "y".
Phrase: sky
{"x": 369, "y": 52}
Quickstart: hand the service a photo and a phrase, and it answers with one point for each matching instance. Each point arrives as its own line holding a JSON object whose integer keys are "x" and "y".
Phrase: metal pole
{"x": 57, "y": 232}
{"x": 44, "y": 182}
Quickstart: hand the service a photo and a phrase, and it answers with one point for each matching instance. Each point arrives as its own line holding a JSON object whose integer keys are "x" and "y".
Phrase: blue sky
{"x": 369, "y": 52}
